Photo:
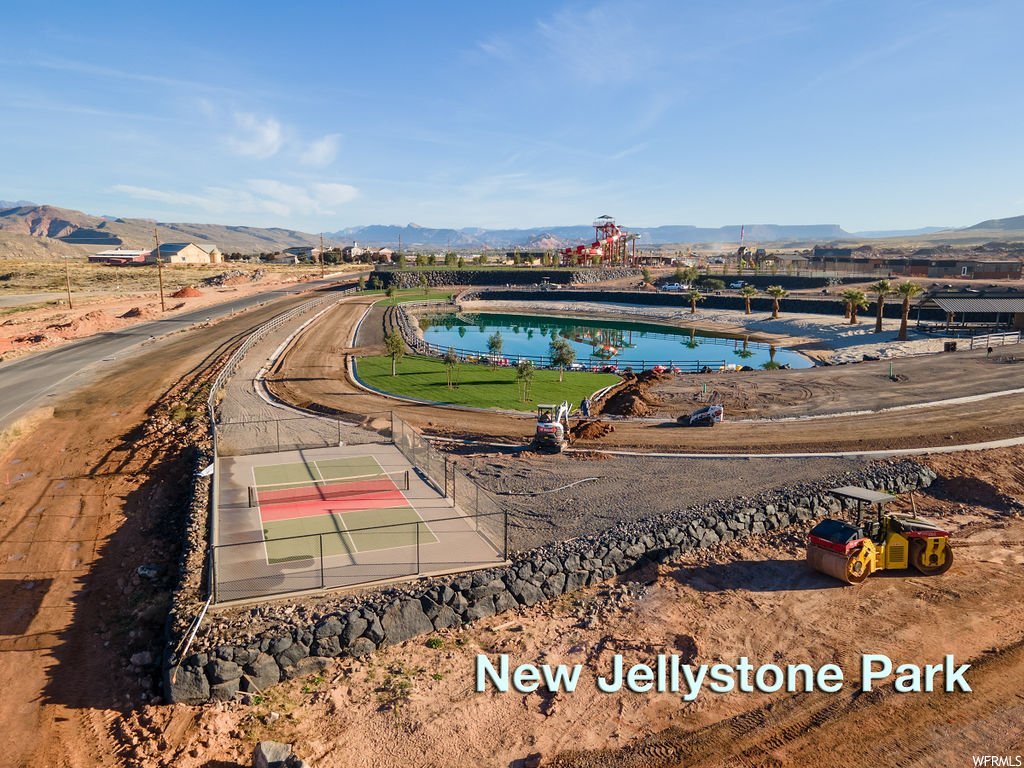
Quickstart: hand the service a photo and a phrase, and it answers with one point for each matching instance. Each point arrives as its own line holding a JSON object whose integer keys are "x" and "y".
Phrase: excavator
{"x": 552, "y": 431}
{"x": 853, "y": 551}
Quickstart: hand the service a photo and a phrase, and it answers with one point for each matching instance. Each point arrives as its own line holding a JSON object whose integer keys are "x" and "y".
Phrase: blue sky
{"x": 313, "y": 116}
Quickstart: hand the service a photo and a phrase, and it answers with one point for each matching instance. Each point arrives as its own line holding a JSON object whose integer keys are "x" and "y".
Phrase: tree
{"x": 748, "y": 292}
{"x": 450, "y": 258}
{"x": 745, "y": 351}
{"x": 483, "y": 259}
{"x": 424, "y": 285}
{"x": 777, "y": 292}
{"x": 391, "y": 294}
{"x": 432, "y": 260}
{"x": 694, "y": 296}
{"x": 517, "y": 259}
{"x": 362, "y": 283}
{"x": 461, "y": 263}
{"x": 712, "y": 284}
{"x": 524, "y": 378}
{"x": 647, "y": 275}
{"x": 562, "y": 355}
{"x": 401, "y": 261}
{"x": 396, "y": 348}
{"x": 494, "y": 345}
{"x": 907, "y": 291}
{"x": 690, "y": 274}
{"x": 451, "y": 362}
{"x": 376, "y": 283}
{"x": 881, "y": 289}
{"x": 421, "y": 259}
{"x": 854, "y": 300}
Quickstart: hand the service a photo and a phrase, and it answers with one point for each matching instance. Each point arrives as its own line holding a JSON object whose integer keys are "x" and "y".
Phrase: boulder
{"x": 189, "y": 685}
{"x": 405, "y": 619}
{"x": 261, "y": 673}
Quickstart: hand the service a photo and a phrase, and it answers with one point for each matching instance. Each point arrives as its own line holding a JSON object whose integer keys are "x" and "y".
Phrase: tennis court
{"x": 353, "y": 503}
{"x": 338, "y": 516}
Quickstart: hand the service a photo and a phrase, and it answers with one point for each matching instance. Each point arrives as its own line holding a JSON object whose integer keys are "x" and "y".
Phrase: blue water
{"x": 603, "y": 342}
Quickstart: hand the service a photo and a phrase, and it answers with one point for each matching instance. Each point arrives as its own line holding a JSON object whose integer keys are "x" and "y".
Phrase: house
{"x": 970, "y": 308}
{"x": 303, "y": 253}
{"x": 970, "y": 269}
{"x": 188, "y": 253}
{"x": 119, "y": 256}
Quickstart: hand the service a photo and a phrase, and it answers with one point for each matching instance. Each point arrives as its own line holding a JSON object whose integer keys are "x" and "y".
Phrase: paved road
{"x": 27, "y": 381}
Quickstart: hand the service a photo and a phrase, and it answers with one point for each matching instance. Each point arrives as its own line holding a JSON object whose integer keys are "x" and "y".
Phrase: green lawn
{"x": 415, "y": 294}
{"x": 425, "y": 378}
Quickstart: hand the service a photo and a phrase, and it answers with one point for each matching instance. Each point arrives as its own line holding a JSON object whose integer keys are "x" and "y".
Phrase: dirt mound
{"x": 34, "y": 338}
{"x": 188, "y": 292}
{"x": 87, "y": 322}
{"x": 591, "y": 430}
{"x": 633, "y": 397}
{"x": 136, "y": 312}
{"x": 235, "y": 277}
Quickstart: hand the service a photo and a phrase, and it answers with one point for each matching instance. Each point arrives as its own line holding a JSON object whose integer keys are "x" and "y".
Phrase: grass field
{"x": 479, "y": 386}
{"x": 415, "y": 294}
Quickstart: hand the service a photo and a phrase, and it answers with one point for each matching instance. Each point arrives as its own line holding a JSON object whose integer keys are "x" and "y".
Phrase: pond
{"x": 602, "y": 343}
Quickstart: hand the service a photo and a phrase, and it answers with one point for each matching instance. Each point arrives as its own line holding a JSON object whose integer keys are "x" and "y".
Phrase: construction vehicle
{"x": 552, "y": 426}
{"x": 853, "y": 551}
{"x": 707, "y": 416}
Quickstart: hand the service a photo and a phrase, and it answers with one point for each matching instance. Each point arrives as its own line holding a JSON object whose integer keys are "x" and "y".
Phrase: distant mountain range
{"x": 96, "y": 233}
{"x": 413, "y": 235}
{"x": 1001, "y": 225}
{"x": 28, "y": 229}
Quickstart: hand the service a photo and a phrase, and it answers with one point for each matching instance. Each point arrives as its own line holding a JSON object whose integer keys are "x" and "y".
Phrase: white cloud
{"x": 253, "y": 196}
{"x": 600, "y": 46}
{"x": 321, "y": 153}
{"x": 257, "y": 137}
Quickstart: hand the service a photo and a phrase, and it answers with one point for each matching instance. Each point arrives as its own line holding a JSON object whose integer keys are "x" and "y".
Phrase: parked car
{"x": 675, "y": 287}
{"x": 737, "y": 284}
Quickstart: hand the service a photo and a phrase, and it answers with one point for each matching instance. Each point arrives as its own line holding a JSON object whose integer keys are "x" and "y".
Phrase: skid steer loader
{"x": 853, "y": 551}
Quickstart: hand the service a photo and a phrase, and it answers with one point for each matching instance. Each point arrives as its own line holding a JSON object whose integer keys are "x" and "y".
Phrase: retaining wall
{"x": 443, "y": 278}
{"x": 249, "y": 649}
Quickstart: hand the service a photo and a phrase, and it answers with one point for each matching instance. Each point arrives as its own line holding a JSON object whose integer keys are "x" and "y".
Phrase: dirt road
{"x": 89, "y": 496}
{"x": 313, "y": 373}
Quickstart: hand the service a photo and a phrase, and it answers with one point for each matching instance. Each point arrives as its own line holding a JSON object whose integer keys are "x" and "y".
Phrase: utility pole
{"x": 399, "y": 246}
{"x": 321, "y": 254}
{"x": 159, "y": 270}
{"x": 67, "y": 280}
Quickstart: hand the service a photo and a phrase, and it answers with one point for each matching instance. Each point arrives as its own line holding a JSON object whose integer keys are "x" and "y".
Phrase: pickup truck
{"x": 675, "y": 287}
{"x": 737, "y": 284}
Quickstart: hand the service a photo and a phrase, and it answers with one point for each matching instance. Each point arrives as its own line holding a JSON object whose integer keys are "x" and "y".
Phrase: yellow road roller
{"x": 853, "y": 551}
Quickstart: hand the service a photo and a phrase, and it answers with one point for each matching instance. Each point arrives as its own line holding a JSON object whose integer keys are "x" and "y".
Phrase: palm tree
{"x": 694, "y": 296}
{"x": 745, "y": 352}
{"x": 907, "y": 291}
{"x": 777, "y": 292}
{"x": 854, "y": 300}
{"x": 881, "y": 289}
{"x": 748, "y": 292}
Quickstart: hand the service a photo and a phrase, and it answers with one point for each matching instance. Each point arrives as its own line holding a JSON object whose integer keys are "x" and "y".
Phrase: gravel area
{"x": 626, "y": 488}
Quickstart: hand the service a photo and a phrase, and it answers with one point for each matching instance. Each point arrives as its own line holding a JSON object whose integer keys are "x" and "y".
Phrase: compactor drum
{"x": 851, "y": 552}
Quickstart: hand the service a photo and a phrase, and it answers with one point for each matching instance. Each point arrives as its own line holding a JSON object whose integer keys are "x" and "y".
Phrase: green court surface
{"x": 334, "y": 533}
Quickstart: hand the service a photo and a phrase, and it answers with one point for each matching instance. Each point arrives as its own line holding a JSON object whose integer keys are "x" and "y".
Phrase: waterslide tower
{"x": 610, "y": 246}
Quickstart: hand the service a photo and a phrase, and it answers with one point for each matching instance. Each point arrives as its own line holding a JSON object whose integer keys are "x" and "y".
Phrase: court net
{"x": 316, "y": 490}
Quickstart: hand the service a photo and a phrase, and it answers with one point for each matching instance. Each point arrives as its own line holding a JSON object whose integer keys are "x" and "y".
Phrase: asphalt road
{"x": 27, "y": 381}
